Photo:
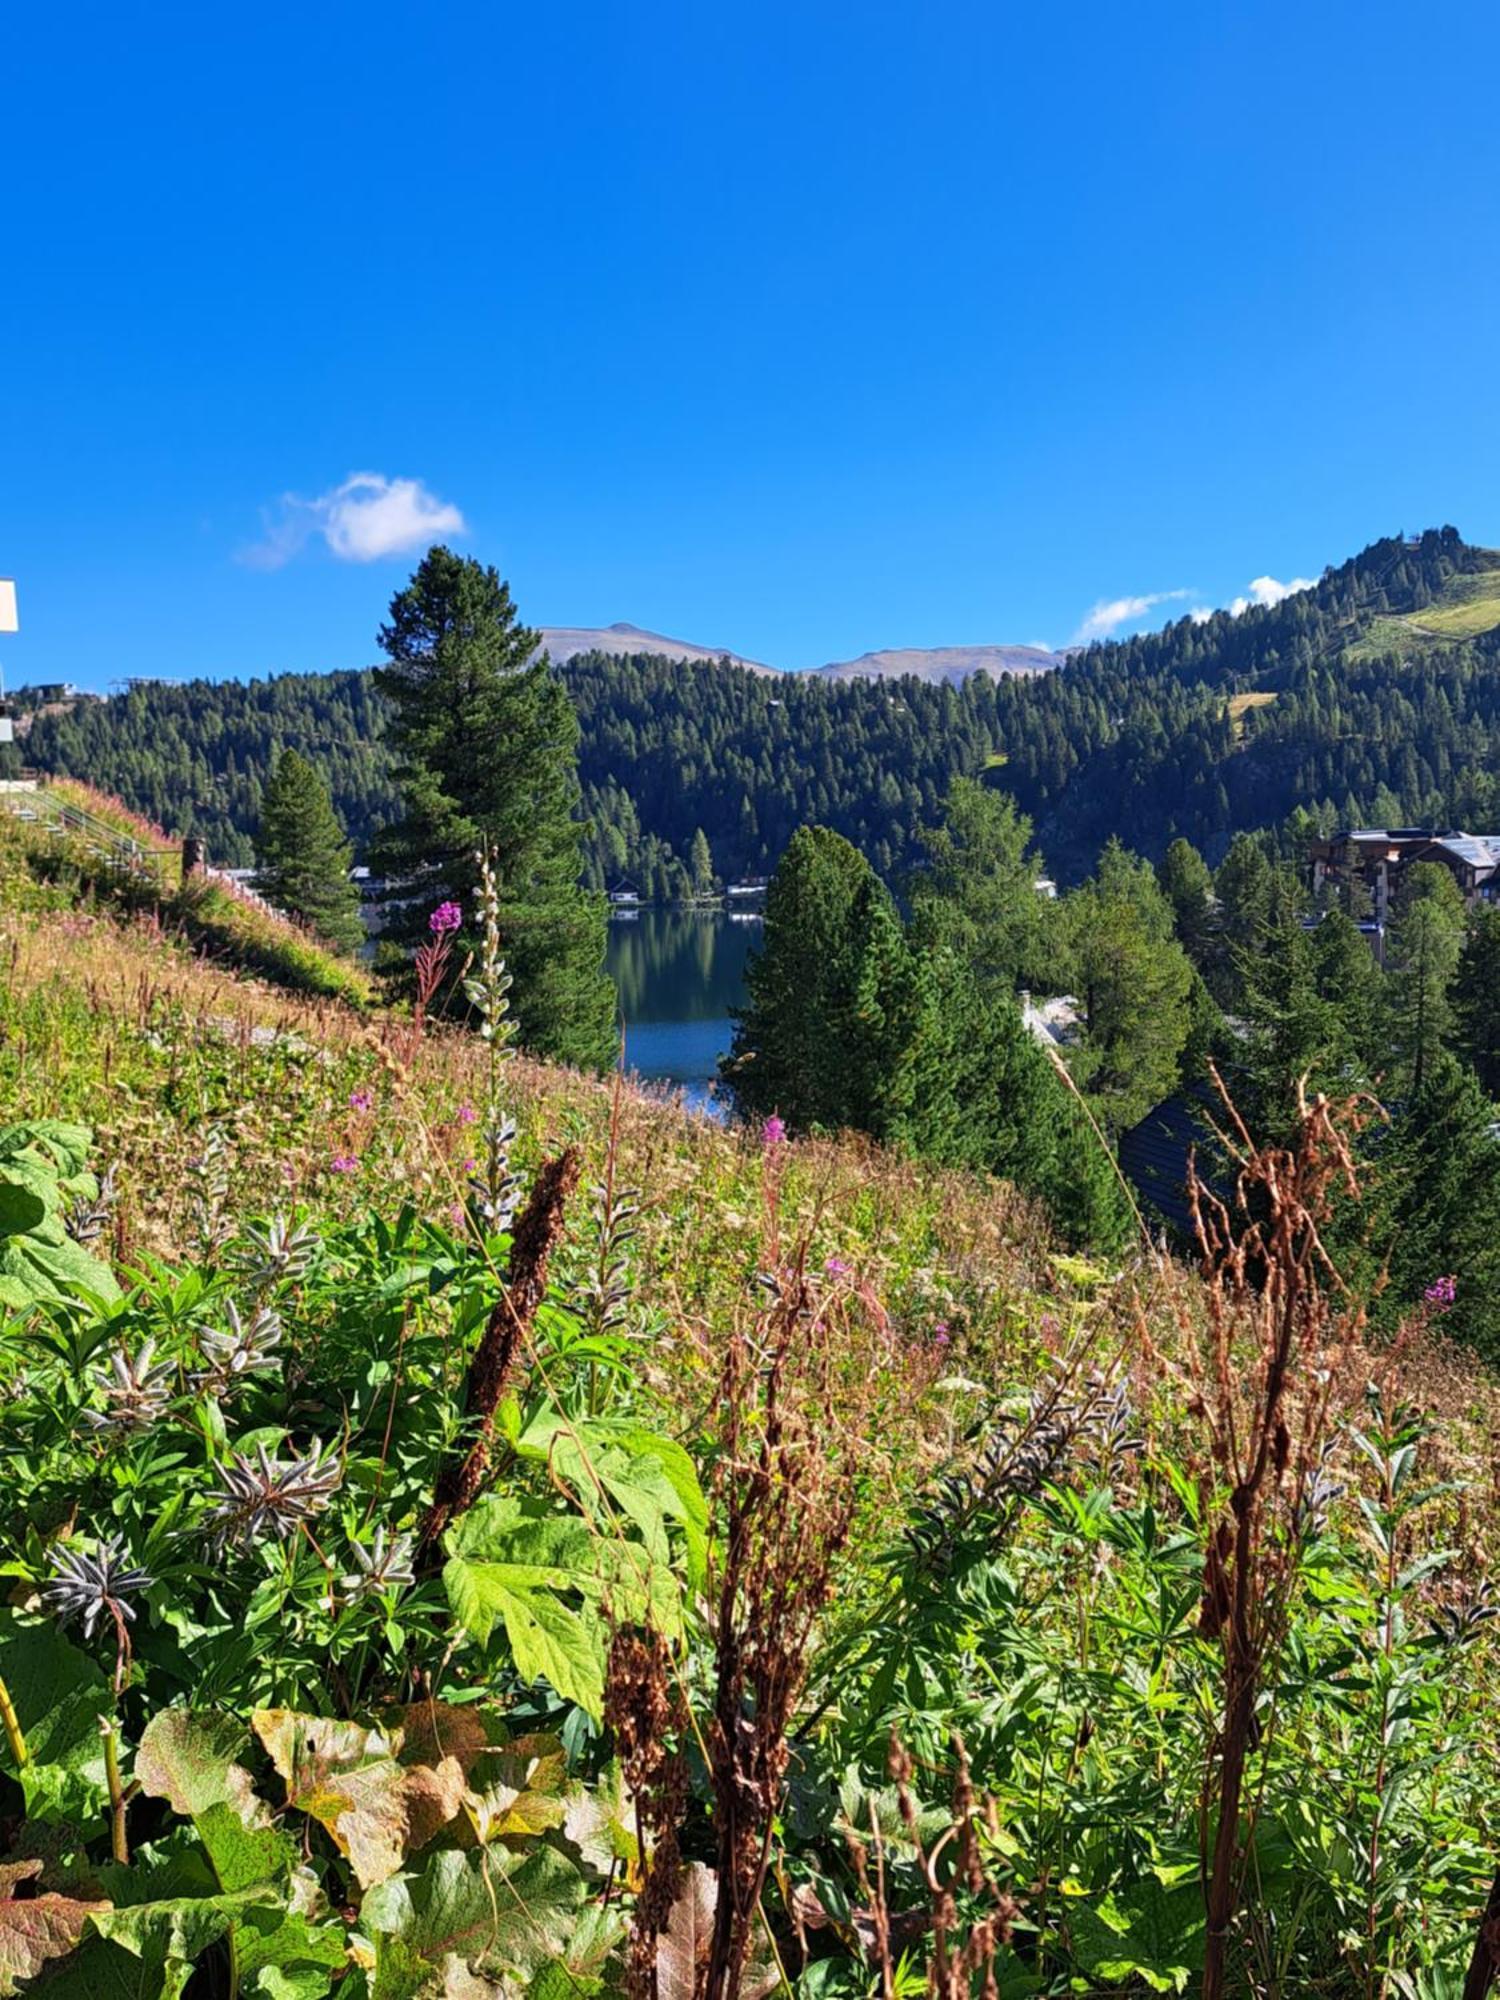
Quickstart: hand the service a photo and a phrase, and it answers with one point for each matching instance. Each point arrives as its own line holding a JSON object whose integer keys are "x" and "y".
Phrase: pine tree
{"x": 1133, "y": 983}
{"x": 832, "y": 1029}
{"x": 302, "y": 857}
{"x": 1476, "y": 997}
{"x": 1188, "y": 885}
{"x": 487, "y": 748}
{"x": 977, "y": 893}
{"x": 701, "y": 865}
{"x": 1437, "y": 1203}
{"x": 1422, "y": 955}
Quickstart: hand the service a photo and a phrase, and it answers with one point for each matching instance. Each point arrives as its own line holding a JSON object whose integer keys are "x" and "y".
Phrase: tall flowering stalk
{"x": 493, "y": 1188}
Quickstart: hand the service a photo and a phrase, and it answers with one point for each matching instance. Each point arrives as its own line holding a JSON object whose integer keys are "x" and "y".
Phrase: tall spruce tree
{"x": 836, "y": 1011}
{"x": 302, "y": 857}
{"x": 1134, "y": 986}
{"x": 1187, "y": 883}
{"x": 1476, "y": 997}
{"x": 1422, "y": 954}
{"x": 487, "y": 757}
{"x": 1437, "y": 1203}
{"x": 977, "y": 893}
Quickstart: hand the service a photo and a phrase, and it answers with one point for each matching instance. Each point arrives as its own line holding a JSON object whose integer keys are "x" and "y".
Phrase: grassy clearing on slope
{"x": 212, "y": 916}
{"x": 1469, "y": 606}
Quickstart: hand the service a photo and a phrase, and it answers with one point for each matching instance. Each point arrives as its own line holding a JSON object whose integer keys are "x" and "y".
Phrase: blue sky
{"x": 800, "y": 329}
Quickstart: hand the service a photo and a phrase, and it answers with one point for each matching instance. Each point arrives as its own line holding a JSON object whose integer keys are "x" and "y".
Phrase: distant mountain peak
{"x": 566, "y": 642}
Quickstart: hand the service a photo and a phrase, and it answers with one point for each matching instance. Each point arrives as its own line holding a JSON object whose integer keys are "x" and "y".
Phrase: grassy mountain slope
{"x": 935, "y": 1482}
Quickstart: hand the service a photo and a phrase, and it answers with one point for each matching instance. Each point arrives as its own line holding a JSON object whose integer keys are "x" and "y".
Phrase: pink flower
{"x": 343, "y": 1163}
{"x": 773, "y": 1132}
{"x": 467, "y": 1115}
{"x": 445, "y": 918}
{"x": 361, "y": 1100}
{"x": 837, "y": 1268}
{"x": 471, "y": 1166}
{"x": 1441, "y": 1293}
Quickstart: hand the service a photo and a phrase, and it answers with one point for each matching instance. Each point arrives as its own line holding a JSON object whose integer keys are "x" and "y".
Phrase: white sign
{"x": 8, "y": 619}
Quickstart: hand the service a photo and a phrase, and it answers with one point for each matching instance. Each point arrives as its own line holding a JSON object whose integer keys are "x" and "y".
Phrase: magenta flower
{"x": 361, "y": 1100}
{"x": 445, "y": 918}
{"x": 773, "y": 1132}
{"x": 837, "y": 1268}
{"x": 1441, "y": 1293}
{"x": 467, "y": 1115}
{"x": 343, "y": 1163}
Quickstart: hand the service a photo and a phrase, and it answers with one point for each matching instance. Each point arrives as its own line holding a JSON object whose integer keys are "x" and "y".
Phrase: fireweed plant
{"x": 575, "y": 1550}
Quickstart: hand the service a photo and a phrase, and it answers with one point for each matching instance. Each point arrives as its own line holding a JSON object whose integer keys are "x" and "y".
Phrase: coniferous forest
{"x": 1339, "y": 703}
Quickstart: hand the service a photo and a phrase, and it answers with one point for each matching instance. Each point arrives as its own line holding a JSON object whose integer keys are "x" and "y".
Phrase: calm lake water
{"x": 679, "y": 972}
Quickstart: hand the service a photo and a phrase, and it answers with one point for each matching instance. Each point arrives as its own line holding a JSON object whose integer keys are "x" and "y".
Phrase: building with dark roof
{"x": 1375, "y": 859}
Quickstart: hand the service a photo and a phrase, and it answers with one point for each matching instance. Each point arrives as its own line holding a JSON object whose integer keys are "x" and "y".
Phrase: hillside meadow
{"x": 475, "y": 1528}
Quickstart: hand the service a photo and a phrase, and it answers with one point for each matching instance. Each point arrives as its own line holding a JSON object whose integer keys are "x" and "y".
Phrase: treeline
{"x": 696, "y": 773}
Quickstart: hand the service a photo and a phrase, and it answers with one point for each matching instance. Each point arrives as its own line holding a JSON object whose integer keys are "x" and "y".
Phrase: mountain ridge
{"x": 953, "y": 664}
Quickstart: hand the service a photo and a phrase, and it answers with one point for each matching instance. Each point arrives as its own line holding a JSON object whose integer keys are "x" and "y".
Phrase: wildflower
{"x": 384, "y": 1566}
{"x": 361, "y": 1100}
{"x": 88, "y": 1587}
{"x": 471, "y": 1166}
{"x": 1441, "y": 1293}
{"x": 244, "y": 1350}
{"x": 137, "y": 1390}
{"x": 343, "y": 1163}
{"x": 837, "y": 1268}
{"x": 467, "y": 1115}
{"x": 445, "y": 919}
{"x": 773, "y": 1132}
{"x": 263, "y": 1496}
{"x": 940, "y": 1333}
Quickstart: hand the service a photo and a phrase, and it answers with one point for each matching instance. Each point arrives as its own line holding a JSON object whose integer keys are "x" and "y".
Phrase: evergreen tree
{"x": 836, "y": 1011}
{"x": 1476, "y": 996}
{"x": 1187, "y": 883}
{"x": 302, "y": 857}
{"x": 1436, "y": 1206}
{"x": 487, "y": 748}
{"x": 701, "y": 865}
{"x": 977, "y": 894}
{"x": 990, "y": 1099}
{"x": 1133, "y": 984}
{"x": 1422, "y": 953}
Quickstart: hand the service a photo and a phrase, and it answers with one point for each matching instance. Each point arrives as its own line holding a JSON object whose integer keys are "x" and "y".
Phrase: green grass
{"x": 1468, "y": 607}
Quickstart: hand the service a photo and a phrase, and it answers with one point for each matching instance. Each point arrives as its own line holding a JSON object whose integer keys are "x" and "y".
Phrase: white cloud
{"x": 361, "y": 520}
{"x": 1109, "y": 614}
{"x": 1266, "y": 590}
{"x": 1200, "y": 614}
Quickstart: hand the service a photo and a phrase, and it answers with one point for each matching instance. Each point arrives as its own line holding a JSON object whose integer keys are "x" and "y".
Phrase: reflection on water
{"x": 679, "y": 972}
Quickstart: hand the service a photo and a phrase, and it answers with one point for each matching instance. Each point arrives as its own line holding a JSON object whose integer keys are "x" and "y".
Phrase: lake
{"x": 679, "y": 972}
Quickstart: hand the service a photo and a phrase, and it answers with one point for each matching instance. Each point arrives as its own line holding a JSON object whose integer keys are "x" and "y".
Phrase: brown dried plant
{"x": 1271, "y": 1372}
{"x": 501, "y": 1347}
{"x": 785, "y": 1483}
{"x": 962, "y": 1950}
{"x": 645, "y": 1709}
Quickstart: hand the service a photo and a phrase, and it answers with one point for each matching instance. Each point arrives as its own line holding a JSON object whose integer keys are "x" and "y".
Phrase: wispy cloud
{"x": 361, "y": 520}
{"x": 1109, "y": 614}
{"x": 1266, "y": 590}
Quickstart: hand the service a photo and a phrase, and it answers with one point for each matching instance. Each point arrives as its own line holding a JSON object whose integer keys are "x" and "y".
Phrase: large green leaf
{"x": 512, "y": 1565}
{"x": 650, "y": 1479}
{"x": 59, "y": 1696}
{"x": 497, "y": 1914}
